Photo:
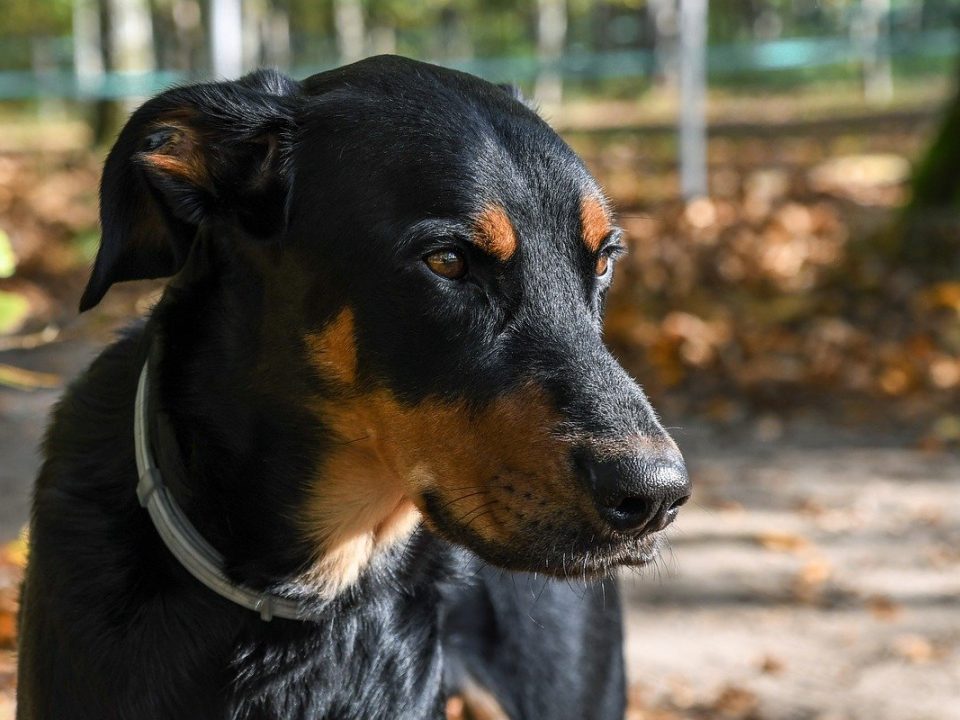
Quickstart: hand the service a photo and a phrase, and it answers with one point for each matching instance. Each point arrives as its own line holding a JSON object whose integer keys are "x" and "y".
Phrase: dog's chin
{"x": 565, "y": 559}
{"x": 562, "y": 551}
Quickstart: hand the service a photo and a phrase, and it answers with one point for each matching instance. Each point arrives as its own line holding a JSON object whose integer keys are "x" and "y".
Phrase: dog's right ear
{"x": 216, "y": 150}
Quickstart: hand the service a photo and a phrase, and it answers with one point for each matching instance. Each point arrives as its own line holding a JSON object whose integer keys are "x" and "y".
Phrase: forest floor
{"x": 815, "y": 380}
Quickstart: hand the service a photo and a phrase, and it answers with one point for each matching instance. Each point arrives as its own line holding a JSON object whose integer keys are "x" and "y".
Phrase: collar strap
{"x": 182, "y": 539}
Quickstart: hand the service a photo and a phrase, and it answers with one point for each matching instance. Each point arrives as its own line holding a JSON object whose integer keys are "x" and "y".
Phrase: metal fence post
{"x": 693, "y": 90}
{"x": 226, "y": 39}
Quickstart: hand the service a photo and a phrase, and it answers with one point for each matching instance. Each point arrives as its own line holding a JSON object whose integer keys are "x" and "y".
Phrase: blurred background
{"x": 788, "y": 174}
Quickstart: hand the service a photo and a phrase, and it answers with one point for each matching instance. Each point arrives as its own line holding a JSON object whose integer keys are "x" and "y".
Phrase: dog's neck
{"x": 241, "y": 447}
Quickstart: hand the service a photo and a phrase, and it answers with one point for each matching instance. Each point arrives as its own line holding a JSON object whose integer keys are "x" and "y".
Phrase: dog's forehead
{"x": 440, "y": 143}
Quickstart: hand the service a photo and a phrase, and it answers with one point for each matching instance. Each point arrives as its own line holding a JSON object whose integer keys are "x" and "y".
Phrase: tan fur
{"x": 455, "y": 708}
{"x": 333, "y": 351}
{"x": 181, "y": 155}
{"x": 491, "y": 468}
{"x": 495, "y": 233}
{"x": 475, "y": 703}
{"x": 594, "y": 221}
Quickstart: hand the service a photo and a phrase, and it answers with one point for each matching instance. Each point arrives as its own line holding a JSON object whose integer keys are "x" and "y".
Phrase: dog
{"x": 368, "y": 457}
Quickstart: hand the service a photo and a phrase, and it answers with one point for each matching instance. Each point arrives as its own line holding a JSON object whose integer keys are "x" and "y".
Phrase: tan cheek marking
{"x": 594, "y": 222}
{"x": 333, "y": 351}
{"x": 386, "y": 455}
{"x": 468, "y": 457}
{"x": 495, "y": 233}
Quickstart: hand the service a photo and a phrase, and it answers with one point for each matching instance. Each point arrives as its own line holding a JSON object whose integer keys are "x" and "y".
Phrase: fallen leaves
{"x": 883, "y": 608}
{"x": 680, "y": 702}
{"x": 810, "y": 581}
{"x": 14, "y": 310}
{"x": 13, "y": 558}
{"x": 779, "y": 308}
{"x": 12, "y": 561}
{"x": 870, "y": 179}
{"x": 734, "y": 701}
{"x": 8, "y": 258}
{"x": 915, "y": 649}
{"x": 782, "y": 542}
{"x": 24, "y": 379}
{"x": 772, "y": 665}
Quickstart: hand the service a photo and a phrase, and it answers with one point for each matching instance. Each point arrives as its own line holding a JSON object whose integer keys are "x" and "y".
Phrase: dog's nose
{"x": 636, "y": 493}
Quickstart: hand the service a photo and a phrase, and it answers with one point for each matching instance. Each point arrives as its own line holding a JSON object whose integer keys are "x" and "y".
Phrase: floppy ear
{"x": 195, "y": 153}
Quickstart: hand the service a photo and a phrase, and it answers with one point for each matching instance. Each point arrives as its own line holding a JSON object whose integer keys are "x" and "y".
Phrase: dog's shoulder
{"x": 81, "y": 444}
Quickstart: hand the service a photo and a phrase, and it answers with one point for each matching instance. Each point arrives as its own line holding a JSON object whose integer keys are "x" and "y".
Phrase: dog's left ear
{"x": 197, "y": 153}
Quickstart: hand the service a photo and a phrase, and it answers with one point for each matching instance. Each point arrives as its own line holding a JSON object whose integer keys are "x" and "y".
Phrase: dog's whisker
{"x": 464, "y": 520}
{"x": 461, "y": 498}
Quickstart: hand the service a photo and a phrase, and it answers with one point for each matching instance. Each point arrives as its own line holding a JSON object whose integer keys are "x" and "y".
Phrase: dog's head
{"x": 437, "y": 258}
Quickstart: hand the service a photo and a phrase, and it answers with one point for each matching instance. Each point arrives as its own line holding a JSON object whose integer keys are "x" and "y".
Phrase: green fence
{"x": 724, "y": 62}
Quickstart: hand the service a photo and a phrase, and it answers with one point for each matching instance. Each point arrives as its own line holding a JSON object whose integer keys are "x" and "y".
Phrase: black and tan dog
{"x": 377, "y": 387}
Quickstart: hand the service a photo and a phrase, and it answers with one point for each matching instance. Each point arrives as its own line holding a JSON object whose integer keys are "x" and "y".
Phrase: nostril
{"x": 630, "y": 514}
{"x": 632, "y": 507}
{"x": 678, "y": 503}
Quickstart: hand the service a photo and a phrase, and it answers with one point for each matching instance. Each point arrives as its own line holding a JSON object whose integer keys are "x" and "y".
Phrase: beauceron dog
{"x": 368, "y": 457}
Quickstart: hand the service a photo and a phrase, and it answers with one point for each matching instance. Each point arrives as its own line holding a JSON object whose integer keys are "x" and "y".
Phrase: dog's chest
{"x": 354, "y": 667}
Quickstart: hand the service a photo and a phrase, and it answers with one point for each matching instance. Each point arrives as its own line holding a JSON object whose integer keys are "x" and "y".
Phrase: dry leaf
{"x": 772, "y": 665}
{"x": 883, "y": 608}
{"x": 782, "y": 542}
{"x": 735, "y": 702}
{"x": 8, "y": 626}
{"x": 914, "y": 648}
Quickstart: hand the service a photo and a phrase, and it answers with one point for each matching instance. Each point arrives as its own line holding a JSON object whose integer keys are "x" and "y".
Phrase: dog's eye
{"x": 603, "y": 264}
{"x": 447, "y": 263}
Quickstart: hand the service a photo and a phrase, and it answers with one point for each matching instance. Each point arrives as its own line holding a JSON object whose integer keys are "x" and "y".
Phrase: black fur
{"x": 311, "y": 197}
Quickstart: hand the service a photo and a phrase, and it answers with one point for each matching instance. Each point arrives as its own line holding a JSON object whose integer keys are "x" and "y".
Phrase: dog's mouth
{"x": 546, "y": 544}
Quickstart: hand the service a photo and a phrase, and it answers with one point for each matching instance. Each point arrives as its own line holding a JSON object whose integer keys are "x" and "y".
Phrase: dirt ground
{"x": 816, "y": 575}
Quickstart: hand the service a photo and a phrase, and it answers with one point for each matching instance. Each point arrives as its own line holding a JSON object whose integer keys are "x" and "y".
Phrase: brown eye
{"x": 603, "y": 264}
{"x": 447, "y": 263}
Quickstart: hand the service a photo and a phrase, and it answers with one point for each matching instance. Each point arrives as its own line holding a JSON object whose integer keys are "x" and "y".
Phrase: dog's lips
{"x": 576, "y": 549}
{"x": 628, "y": 551}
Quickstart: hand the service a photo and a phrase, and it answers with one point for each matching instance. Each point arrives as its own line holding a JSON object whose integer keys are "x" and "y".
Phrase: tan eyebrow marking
{"x": 494, "y": 233}
{"x": 594, "y": 222}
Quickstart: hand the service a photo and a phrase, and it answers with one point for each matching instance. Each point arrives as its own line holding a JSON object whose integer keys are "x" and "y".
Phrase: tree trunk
{"x": 226, "y": 39}
{"x": 551, "y": 36}
{"x": 106, "y": 113}
{"x": 927, "y": 234}
{"x": 872, "y": 34}
{"x": 351, "y": 33}
{"x": 88, "y": 60}
{"x": 936, "y": 181}
{"x": 693, "y": 98}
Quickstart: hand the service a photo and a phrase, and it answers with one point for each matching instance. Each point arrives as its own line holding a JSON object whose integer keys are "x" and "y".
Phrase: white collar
{"x": 183, "y": 540}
